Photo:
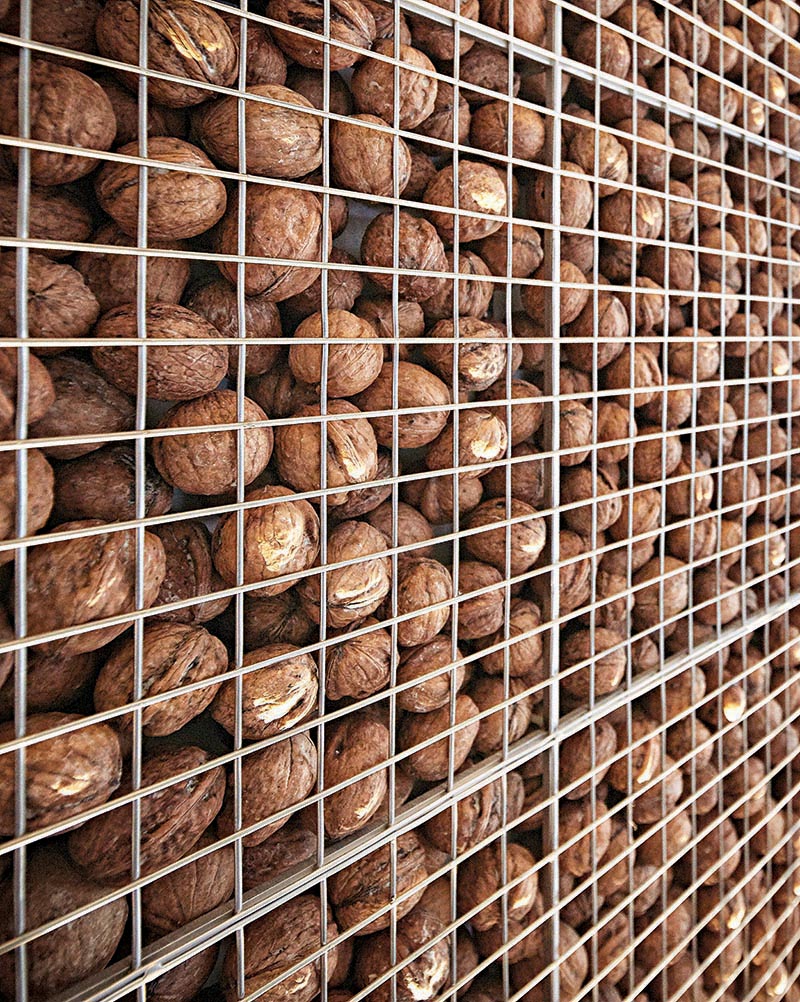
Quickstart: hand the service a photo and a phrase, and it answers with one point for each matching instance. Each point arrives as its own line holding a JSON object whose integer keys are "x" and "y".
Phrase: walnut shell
{"x": 206, "y": 462}
{"x": 292, "y": 845}
{"x": 606, "y": 668}
{"x": 450, "y": 116}
{"x": 421, "y": 249}
{"x": 67, "y": 108}
{"x": 489, "y": 130}
{"x": 360, "y": 665}
{"x": 599, "y": 493}
{"x": 174, "y": 655}
{"x": 161, "y": 121}
{"x": 40, "y": 394}
{"x": 524, "y": 643}
{"x": 112, "y": 277}
{"x": 217, "y": 302}
{"x": 356, "y": 590}
{"x": 179, "y": 203}
{"x": 184, "y": 39}
{"x": 72, "y": 951}
{"x": 526, "y": 251}
{"x": 473, "y": 820}
{"x": 172, "y": 819}
{"x": 422, "y": 583}
{"x": 273, "y": 778}
{"x": 479, "y": 615}
{"x": 351, "y": 368}
{"x": 72, "y": 582}
{"x": 51, "y": 682}
{"x": 481, "y": 439}
{"x": 588, "y": 753}
{"x": 436, "y": 497}
{"x": 311, "y": 84}
{"x": 279, "y": 619}
{"x": 53, "y": 214}
{"x": 344, "y": 288}
{"x": 481, "y": 352}
{"x": 278, "y": 141}
{"x": 350, "y": 22}
{"x": 354, "y": 744}
{"x": 281, "y": 537}
{"x": 602, "y": 155}
{"x": 416, "y": 388}
{"x": 363, "y": 158}
{"x": 481, "y": 875}
{"x": 274, "y": 698}
{"x": 571, "y": 300}
{"x": 528, "y": 533}
{"x": 276, "y": 943}
{"x": 487, "y": 66}
{"x": 373, "y": 86}
{"x": 352, "y": 452}
{"x": 279, "y": 223}
{"x": 39, "y": 497}
{"x": 514, "y": 719}
{"x": 364, "y": 887}
{"x": 64, "y": 775}
{"x": 671, "y": 593}
{"x": 189, "y": 892}
{"x": 431, "y": 763}
{"x": 60, "y": 305}
{"x": 433, "y": 663}
{"x": 365, "y": 499}
{"x": 190, "y": 573}
{"x": 480, "y": 190}
{"x": 474, "y": 294}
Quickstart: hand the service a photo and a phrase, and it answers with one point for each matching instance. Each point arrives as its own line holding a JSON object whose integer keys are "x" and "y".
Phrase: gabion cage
{"x": 399, "y": 513}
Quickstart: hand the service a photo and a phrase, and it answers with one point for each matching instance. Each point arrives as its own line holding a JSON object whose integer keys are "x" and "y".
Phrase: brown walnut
{"x": 354, "y": 744}
{"x": 373, "y": 86}
{"x": 351, "y": 367}
{"x": 350, "y": 22}
{"x": 431, "y": 763}
{"x": 420, "y": 249}
{"x": 480, "y": 190}
{"x": 363, "y": 158}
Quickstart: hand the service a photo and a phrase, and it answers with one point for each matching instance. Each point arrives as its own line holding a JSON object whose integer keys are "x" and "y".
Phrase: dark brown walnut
{"x": 366, "y": 886}
{"x": 678, "y": 269}
{"x": 484, "y": 873}
{"x": 351, "y": 367}
{"x": 436, "y": 497}
{"x": 112, "y": 277}
{"x": 279, "y": 942}
{"x": 180, "y": 203}
{"x": 349, "y": 22}
{"x": 481, "y": 357}
{"x": 600, "y": 46}
{"x": 161, "y": 121}
{"x": 586, "y": 754}
{"x": 189, "y": 573}
{"x": 103, "y": 485}
{"x": 265, "y": 63}
{"x": 66, "y": 108}
{"x": 184, "y": 980}
{"x": 53, "y": 214}
{"x": 64, "y": 775}
{"x": 278, "y": 141}
{"x": 600, "y": 498}
{"x": 206, "y": 462}
{"x": 217, "y": 302}
{"x": 173, "y": 655}
{"x": 438, "y": 673}
{"x": 311, "y": 84}
{"x": 524, "y": 643}
{"x": 526, "y": 251}
{"x": 420, "y": 250}
{"x": 474, "y": 292}
{"x": 373, "y": 86}
{"x": 481, "y": 193}
{"x": 292, "y": 845}
{"x": 573, "y": 961}
{"x": 273, "y": 779}
{"x": 431, "y": 762}
{"x": 360, "y": 665}
{"x": 82, "y": 580}
{"x": 513, "y": 720}
{"x": 450, "y": 116}
{"x": 184, "y": 39}
{"x": 60, "y": 305}
{"x": 420, "y": 979}
{"x": 527, "y": 535}
{"x": 352, "y": 452}
{"x": 489, "y": 130}
{"x": 274, "y": 698}
{"x": 344, "y": 287}
{"x": 486, "y": 66}
{"x": 280, "y": 538}
{"x": 172, "y": 819}
{"x": 40, "y": 394}
{"x": 281, "y": 223}
{"x": 278, "y": 393}
{"x": 536, "y": 298}
{"x": 39, "y": 486}
{"x": 279, "y": 619}
{"x": 354, "y": 744}
{"x": 356, "y": 590}
{"x": 416, "y": 388}
{"x": 606, "y": 667}
{"x": 51, "y": 682}
{"x": 422, "y": 584}
{"x": 482, "y": 439}
{"x": 189, "y": 892}
{"x": 479, "y": 615}
{"x": 365, "y": 156}
{"x": 72, "y": 951}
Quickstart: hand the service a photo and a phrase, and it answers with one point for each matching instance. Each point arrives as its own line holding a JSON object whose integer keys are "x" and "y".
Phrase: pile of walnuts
{"x": 291, "y": 491}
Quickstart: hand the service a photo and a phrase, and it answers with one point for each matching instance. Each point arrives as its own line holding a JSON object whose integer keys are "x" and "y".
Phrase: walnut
{"x": 440, "y": 672}
{"x": 614, "y": 424}
{"x": 482, "y": 875}
{"x": 527, "y": 477}
{"x": 483, "y": 614}
{"x": 206, "y": 462}
{"x": 60, "y": 306}
{"x": 527, "y": 535}
{"x": 112, "y": 277}
{"x": 39, "y": 487}
{"x": 489, "y": 130}
{"x": 373, "y": 86}
{"x": 351, "y": 450}
{"x": 281, "y": 537}
{"x": 487, "y": 66}
{"x": 535, "y": 298}
{"x": 474, "y": 293}
{"x": 408, "y": 321}
{"x": 354, "y": 744}
{"x": 637, "y": 369}
{"x": 576, "y": 432}
{"x": 643, "y": 22}
{"x": 677, "y": 270}
{"x": 273, "y": 778}
{"x": 655, "y": 457}
{"x": 524, "y": 644}
{"x": 577, "y": 200}
{"x": 573, "y": 961}
{"x": 431, "y": 763}
{"x": 183, "y": 980}
{"x": 448, "y": 122}
{"x": 284, "y": 223}
{"x": 420, "y": 249}
{"x": 596, "y": 337}
{"x": 161, "y": 121}
{"x": 362, "y": 500}
{"x": 481, "y": 439}
{"x": 599, "y": 497}
{"x": 52, "y": 682}
{"x": 351, "y": 368}
{"x": 530, "y": 22}
{"x": 284, "y": 850}
{"x": 672, "y": 592}
{"x": 350, "y": 22}
{"x": 67, "y": 108}
{"x": 183, "y": 39}
{"x": 609, "y": 53}
{"x": 435, "y": 497}
{"x": 172, "y": 819}
{"x": 412, "y": 526}
{"x": 189, "y": 573}
{"x": 264, "y": 61}
{"x": 527, "y": 413}
{"x": 617, "y": 216}
{"x": 421, "y": 173}
{"x": 419, "y": 980}
{"x": 514, "y": 719}
{"x": 76, "y": 581}
{"x": 363, "y": 158}
{"x": 600, "y": 155}
{"x": 714, "y": 197}
{"x": 425, "y": 587}
{"x": 39, "y": 397}
{"x": 360, "y": 665}
{"x": 55, "y": 214}
{"x": 281, "y": 940}
{"x": 526, "y": 251}
{"x": 607, "y": 664}
{"x": 279, "y": 141}
{"x": 73, "y": 950}
{"x": 384, "y": 16}
{"x": 480, "y": 190}
{"x": 588, "y": 753}
{"x": 481, "y": 352}
{"x": 416, "y": 388}
{"x": 179, "y": 203}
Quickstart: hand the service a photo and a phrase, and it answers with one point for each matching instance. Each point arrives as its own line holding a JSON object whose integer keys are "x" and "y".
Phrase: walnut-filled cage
{"x": 475, "y": 328}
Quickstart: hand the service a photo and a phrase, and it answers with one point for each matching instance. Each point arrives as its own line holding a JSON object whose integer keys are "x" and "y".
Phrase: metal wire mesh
{"x": 557, "y": 763}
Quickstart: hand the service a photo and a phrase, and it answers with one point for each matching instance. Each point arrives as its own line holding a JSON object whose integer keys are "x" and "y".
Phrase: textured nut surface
{"x": 351, "y": 367}
{"x": 359, "y": 665}
{"x": 421, "y": 249}
{"x": 417, "y": 387}
{"x": 480, "y": 190}
{"x": 431, "y": 763}
{"x": 354, "y": 744}
{"x": 362, "y": 158}
{"x": 528, "y": 535}
{"x": 481, "y": 356}
{"x": 422, "y": 584}
{"x": 350, "y": 22}
{"x": 419, "y": 979}
{"x": 103, "y": 485}
{"x": 53, "y": 214}
{"x": 434, "y": 659}
{"x": 373, "y": 86}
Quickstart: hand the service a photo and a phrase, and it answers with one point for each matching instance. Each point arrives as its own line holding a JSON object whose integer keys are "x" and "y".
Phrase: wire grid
{"x": 703, "y": 897}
